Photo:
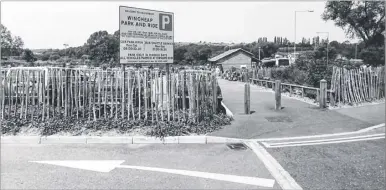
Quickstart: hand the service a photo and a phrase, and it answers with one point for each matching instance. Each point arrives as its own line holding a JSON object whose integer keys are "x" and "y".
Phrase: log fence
{"x": 133, "y": 94}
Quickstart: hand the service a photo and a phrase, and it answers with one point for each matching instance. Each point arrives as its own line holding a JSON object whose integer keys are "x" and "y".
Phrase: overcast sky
{"x": 51, "y": 24}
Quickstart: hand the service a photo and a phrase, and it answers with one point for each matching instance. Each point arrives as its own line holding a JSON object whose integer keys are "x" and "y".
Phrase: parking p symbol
{"x": 165, "y": 22}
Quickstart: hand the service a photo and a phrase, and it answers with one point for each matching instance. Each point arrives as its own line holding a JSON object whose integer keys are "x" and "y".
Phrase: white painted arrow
{"x": 108, "y": 165}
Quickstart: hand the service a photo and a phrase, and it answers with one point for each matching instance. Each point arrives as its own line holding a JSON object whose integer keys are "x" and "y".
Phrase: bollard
{"x": 323, "y": 93}
{"x": 247, "y": 99}
{"x": 278, "y": 94}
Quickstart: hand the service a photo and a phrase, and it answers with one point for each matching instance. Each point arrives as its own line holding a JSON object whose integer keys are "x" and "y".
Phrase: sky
{"x": 44, "y": 24}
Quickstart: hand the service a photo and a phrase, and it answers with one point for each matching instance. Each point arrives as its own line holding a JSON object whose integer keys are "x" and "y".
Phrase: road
{"x": 354, "y": 165}
{"x": 341, "y": 165}
{"x": 17, "y": 172}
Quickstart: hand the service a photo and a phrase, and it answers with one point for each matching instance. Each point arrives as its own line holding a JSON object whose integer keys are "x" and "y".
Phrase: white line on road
{"x": 282, "y": 177}
{"x": 262, "y": 182}
{"x": 330, "y": 142}
{"x": 109, "y": 165}
{"x": 326, "y": 140}
{"x": 324, "y": 135}
{"x": 371, "y": 128}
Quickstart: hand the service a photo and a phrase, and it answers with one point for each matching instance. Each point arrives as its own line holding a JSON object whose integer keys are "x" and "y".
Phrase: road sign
{"x": 146, "y": 36}
{"x": 109, "y": 165}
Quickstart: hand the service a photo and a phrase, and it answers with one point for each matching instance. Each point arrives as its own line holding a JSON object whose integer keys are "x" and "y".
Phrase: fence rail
{"x": 42, "y": 93}
{"x": 290, "y": 88}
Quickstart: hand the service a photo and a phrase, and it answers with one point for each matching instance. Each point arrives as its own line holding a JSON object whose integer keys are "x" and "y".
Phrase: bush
{"x": 76, "y": 126}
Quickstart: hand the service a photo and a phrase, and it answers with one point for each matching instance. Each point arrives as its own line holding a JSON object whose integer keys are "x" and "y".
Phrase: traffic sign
{"x": 146, "y": 36}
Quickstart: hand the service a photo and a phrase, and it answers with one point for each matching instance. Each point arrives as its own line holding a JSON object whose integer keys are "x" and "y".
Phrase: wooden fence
{"x": 292, "y": 89}
{"x": 358, "y": 85}
{"x": 347, "y": 86}
{"x": 141, "y": 94}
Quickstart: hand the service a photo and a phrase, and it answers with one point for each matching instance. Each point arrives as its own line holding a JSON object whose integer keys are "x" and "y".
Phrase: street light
{"x": 328, "y": 37}
{"x": 309, "y": 11}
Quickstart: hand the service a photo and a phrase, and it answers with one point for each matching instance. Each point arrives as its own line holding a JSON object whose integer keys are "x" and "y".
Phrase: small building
{"x": 234, "y": 58}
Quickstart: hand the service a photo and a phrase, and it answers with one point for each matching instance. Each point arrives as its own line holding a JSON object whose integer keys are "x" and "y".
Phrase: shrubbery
{"x": 180, "y": 127}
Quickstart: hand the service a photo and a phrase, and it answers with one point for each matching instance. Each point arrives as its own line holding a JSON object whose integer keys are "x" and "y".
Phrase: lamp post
{"x": 328, "y": 37}
{"x": 310, "y": 11}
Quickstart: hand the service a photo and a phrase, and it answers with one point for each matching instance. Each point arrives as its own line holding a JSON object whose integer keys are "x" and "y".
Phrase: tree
{"x": 363, "y": 19}
{"x": 373, "y": 55}
{"x": 179, "y": 53}
{"x": 28, "y": 56}
{"x": 54, "y": 57}
{"x": 102, "y": 47}
{"x": 204, "y": 54}
{"x": 17, "y": 46}
{"x": 45, "y": 57}
{"x": 6, "y": 41}
{"x": 321, "y": 53}
{"x": 191, "y": 55}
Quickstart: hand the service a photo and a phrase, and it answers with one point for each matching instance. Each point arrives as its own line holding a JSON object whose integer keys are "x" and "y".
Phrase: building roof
{"x": 228, "y": 53}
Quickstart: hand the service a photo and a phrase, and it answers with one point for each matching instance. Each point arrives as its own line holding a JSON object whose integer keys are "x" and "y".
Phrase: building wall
{"x": 236, "y": 60}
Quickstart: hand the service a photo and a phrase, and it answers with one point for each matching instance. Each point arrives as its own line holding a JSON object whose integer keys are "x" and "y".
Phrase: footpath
{"x": 296, "y": 118}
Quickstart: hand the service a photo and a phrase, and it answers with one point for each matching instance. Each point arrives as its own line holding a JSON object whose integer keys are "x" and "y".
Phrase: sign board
{"x": 146, "y": 36}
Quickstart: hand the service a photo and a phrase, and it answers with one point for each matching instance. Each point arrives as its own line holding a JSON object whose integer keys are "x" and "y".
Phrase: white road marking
{"x": 282, "y": 177}
{"x": 330, "y": 142}
{"x": 327, "y": 140}
{"x": 324, "y": 135}
{"x": 93, "y": 165}
{"x": 108, "y": 165}
{"x": 262, "y": 182}
{"x": 372, "y": 128}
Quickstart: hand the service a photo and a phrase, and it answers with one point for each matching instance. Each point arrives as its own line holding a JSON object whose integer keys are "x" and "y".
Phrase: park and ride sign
{"x": 146, "y": 36}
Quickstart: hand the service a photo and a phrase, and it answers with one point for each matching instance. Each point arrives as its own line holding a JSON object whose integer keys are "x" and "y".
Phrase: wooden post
{"x": 168, "y": 89}
{"x": 332, "y": 99}
{"x": 145, "y": 92}
{"x": 323, "y": 93}
{"x": 152, "y": 96}
{"x": 183, "y": 97}
{"x": 247, "y": 102}
{"x": 66, "y": 94}
{"x": 26, "y": 93}
{"x": 10, "y": 94}
{"x": 123, "y": 91}
{"x": 139, "y": 95}
{"x": 277, "y": 95}
{"x": 162, "y": 94}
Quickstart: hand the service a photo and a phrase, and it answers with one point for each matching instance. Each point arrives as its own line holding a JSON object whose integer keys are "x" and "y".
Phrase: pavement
{"x": 18, "y": 172}
{"x": 296, "y": 118}
{"x": 373, "y": 114}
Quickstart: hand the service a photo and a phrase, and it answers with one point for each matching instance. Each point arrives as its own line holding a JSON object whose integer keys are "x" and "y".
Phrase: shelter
{"x": 235, "y": 58}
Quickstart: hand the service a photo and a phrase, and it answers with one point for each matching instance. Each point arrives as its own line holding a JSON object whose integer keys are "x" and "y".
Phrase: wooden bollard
{"x": 323, "y": 93}
{"x": 277, "y": 95}
{"x": 247, "y": 99}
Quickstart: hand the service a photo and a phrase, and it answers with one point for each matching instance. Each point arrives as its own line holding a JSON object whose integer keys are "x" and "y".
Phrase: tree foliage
{"x": 28, "y": 56}
{"x": 10, "y": 45}
{"x": 363, "y": 19}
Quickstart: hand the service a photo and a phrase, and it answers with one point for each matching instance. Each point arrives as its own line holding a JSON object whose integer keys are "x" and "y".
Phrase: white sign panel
{"x": 146, "y": 36}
